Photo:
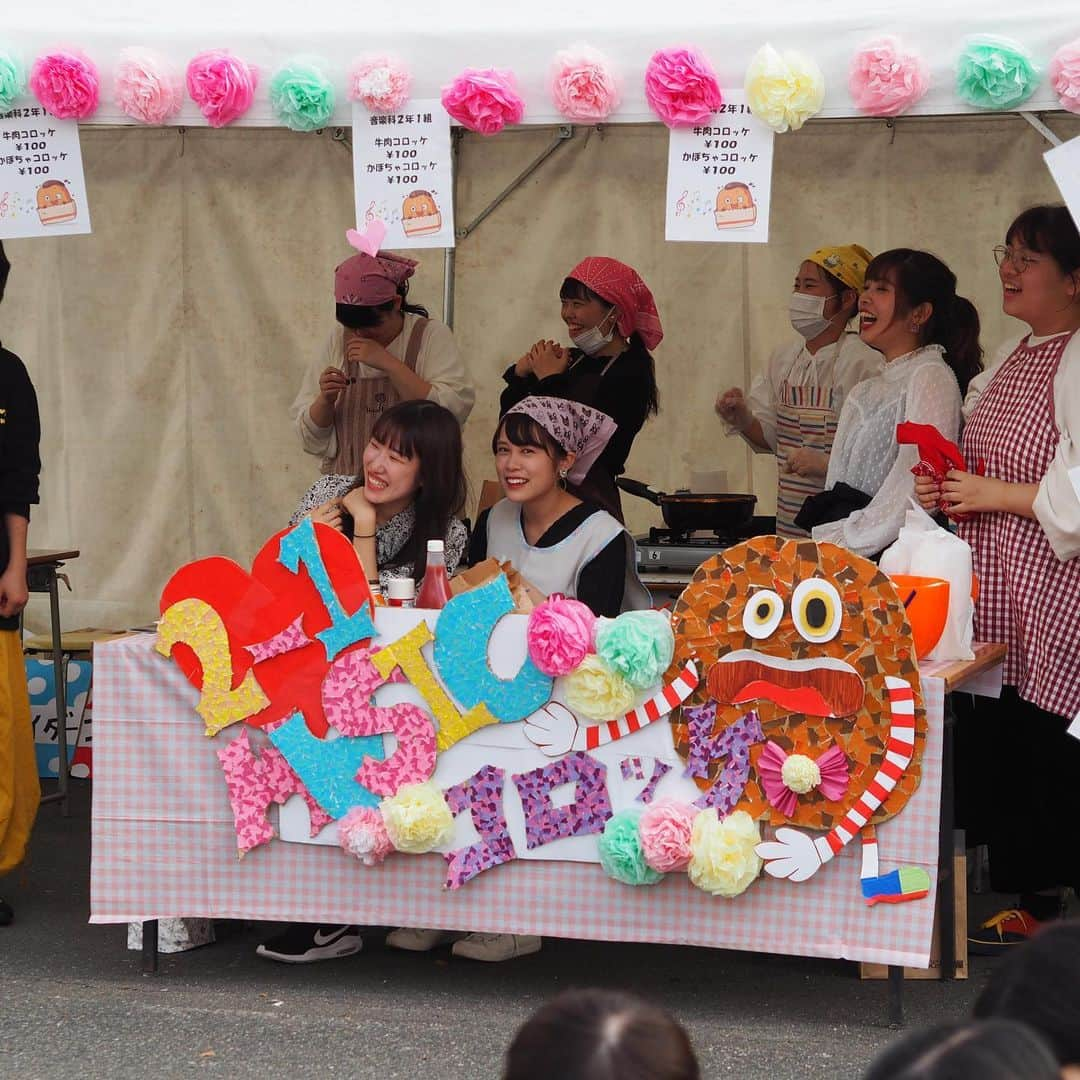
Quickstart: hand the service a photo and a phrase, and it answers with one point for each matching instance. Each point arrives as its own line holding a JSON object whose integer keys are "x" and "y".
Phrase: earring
{"x": 562, "y": 478}
{"x": 914, "y": 327}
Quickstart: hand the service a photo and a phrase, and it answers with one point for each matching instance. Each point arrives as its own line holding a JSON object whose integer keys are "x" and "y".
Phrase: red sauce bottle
{"x": 435, "y": 588}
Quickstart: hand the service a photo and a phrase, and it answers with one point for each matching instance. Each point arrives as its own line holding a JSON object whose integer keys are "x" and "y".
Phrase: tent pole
{"x": 449, "y": 253}
{"x": 1037, "y": 123}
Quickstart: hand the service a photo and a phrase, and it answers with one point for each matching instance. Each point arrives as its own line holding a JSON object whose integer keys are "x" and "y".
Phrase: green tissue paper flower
{"x": 620, "y": 851}
{"x": 302, "y": 97}
{"x": 12, "y": 79}
{"x": 993, "y": 73}
{"x": 638, "y": 645}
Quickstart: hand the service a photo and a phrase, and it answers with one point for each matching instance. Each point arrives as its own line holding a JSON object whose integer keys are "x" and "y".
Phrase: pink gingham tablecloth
{"x": 164, "y": 846}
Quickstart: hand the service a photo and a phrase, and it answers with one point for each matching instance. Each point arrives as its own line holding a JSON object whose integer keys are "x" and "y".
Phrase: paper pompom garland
{"x": 362, "y": 833}
{"x": 484, "y": 101}
{"x": 417, "y": 818}
{"x": 724, "y": 859}
{"x": 67, "y": 84}
{"x": 12, "y": 79}
{"x": 638, "y": 645}
{"x": 380, "y": 83}
{"x": 146, "y": 88}
{"x": 1065, "y": 75}
{"x": 995, "y": 73}
{"x": 583, "y": 86}
{"x": 621, "y": 853}
{"x": 785, "y": 89}
{"x": 666, "y": 829}
{"x": 681, "y": 87}
{"x": 885, "y": 80}
{"x": 560, "y": 634}
{"x": 301, "y": 96}
{"x": 222, "y": 85}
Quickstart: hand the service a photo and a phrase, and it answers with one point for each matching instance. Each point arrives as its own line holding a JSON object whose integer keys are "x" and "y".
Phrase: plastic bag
{"x": 925, "y": 549}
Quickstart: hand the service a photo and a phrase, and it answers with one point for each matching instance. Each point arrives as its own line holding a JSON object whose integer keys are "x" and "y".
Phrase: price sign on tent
{"x": 42, "y": 189}
{"x": 720, "y": 177}
{"x": 403, "y": 174}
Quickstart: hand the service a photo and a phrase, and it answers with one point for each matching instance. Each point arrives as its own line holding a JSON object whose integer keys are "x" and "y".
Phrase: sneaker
{"x": 495, "y": 948}
{"x": 416, "y": 939}
{"x": 6, "y": 914}
{"x": 307, "y": 943}
{"x": 1007, "y": 928}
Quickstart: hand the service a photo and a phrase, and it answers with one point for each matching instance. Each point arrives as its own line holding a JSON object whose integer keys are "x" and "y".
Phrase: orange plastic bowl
{"x": 926, "y": 601}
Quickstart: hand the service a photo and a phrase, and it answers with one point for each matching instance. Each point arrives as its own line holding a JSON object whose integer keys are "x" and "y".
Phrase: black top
{"x": 603, "y": 578}
{"x": 20, "y": 432}
{"x": 622, "y": 392}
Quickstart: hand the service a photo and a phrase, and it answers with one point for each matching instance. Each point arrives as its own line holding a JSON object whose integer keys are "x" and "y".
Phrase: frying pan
{"x": 688, "y": 511}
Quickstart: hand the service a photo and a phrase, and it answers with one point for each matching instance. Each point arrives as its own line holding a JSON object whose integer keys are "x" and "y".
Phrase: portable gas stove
{"x": 682, "y": 553}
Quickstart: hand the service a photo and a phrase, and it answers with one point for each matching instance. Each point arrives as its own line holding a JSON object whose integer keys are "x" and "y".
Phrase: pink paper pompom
{"x": 147, "y": 88}
{"x": 886, "y": 81}
{"x": 222, "y": 85}
{"x": 1065, "y": 75}
{"x": 583, "y": 86}
{"x": 380, "y": 83}
{"x": 666, "y": 828}
{"x": 681, "y": 87}
{"x": 66, "y": 83}
{"x": 362, "y": 832}
{"x": 484, "y": 101}
{"x": 560, "y": 634}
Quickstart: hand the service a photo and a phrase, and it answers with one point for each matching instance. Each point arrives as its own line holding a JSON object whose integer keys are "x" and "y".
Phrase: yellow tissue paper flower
{"x": 784, "y": 90}
{"x": 417, "y": 818}
{"x": 722, "y": 856}
{"x": 800, "y": 774}
{"x": 596, "y": 692}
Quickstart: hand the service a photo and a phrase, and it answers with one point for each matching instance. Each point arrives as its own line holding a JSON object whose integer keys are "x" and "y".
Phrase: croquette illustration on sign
{"x": 403, "y": 174}
{"x": 42, "y": 187}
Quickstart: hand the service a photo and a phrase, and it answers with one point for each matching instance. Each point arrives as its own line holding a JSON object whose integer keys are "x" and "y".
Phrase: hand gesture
{"x": 928, "y": 493}
{"x": 548, "y": 358}
{"x": 361, "y": 350}
{"x": 966, "y": 493}
{"x": 807, "y": 462}
{"x": 331, "y": 382}
{"x": 356, "y": 503}
{"x": 731, "y": 406}
{"x": 329, "y": 513}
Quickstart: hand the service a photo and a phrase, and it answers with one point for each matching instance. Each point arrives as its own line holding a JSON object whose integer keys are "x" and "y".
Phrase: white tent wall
{"x": 167, "y": 346}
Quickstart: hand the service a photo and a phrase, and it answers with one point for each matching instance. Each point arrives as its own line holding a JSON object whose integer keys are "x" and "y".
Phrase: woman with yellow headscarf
{"x": 793, "y": 406}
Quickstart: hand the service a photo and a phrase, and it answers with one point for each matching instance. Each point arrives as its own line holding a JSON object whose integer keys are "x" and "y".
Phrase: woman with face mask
{"x": 613, "y": 324}
{"x": 383, "y": 350}
{"x": 793, "y": 407}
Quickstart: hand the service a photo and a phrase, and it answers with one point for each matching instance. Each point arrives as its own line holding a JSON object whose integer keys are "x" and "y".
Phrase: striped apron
{"x": 361, "y": 404}
{"x": 1028, "y": 599}
{"x": 805, "y": 416}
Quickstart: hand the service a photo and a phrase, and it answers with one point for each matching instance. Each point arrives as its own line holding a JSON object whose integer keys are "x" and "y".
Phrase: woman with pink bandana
{"x": 384, "y": 350}
{"x": 613, "y": 324}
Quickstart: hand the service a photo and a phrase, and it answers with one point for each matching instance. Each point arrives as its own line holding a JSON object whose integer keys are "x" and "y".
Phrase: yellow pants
{"x": 20, "y": 790}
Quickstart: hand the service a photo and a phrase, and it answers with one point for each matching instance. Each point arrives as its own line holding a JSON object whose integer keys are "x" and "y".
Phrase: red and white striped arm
{"x": 660, "y": 704}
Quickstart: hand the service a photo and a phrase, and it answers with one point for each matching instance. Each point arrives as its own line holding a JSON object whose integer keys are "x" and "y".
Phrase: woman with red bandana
{"x": 613, "y": 324}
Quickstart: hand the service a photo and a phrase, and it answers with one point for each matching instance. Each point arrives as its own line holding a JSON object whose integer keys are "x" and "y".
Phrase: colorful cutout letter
{"x": 648, "y": 792}
{"x": 328, "y": 766}
{"x": 346, "y": 700}
{"x": 733, "y": 742}
{"x": 300, "y": 546}
{"x": 589, "y": 812}
{"x": 482, "y": 796}
{"x": 196, "y": 624}
{"x": 405, "y": 653}
{"x": 254, "y": 783}
{"x": 467, "y": 621}
{"x": 285, "y": 641}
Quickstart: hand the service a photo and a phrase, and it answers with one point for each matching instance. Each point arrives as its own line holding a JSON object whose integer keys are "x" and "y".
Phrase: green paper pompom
{"x": 620, "y": 851}
{"x": 302, "y": 97}
{"x": 12, "y": 79}
{"x": 992, "y": 73}
{"x": 638, "y": 645}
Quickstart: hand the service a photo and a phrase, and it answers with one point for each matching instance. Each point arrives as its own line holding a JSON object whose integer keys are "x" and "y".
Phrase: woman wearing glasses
{"x": 1022, "y": 519}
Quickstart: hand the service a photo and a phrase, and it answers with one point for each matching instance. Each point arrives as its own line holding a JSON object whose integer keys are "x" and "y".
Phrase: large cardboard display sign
{"x": 782, "y": 693}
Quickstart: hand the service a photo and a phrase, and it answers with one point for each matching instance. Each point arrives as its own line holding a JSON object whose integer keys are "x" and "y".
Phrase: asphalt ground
{"x": 73, "y": 999}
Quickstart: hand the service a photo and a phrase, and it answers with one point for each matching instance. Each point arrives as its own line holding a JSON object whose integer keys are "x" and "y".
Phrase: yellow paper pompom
{"x": 596, "y": 692}
{"x": 723, "y": 859}
{"x": 784, "y": 91}
{"x": 800, "y": 774}
{"x": 417, "y": 818}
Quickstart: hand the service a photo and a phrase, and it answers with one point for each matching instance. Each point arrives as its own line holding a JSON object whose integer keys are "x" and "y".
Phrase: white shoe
{"x": 416, "y": 939}
{"x": 496, "y": 947}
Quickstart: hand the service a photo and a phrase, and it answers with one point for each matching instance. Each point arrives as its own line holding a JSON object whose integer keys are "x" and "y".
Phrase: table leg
{"x": 946, "y": 885}
{"x": 149, "y": 947}
{"x": 896, "y": 995}
{"x": 60, "y": 678}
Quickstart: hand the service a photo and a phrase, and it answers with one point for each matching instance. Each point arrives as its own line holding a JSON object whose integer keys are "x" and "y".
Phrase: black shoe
{"x": 308, "y": 943}
{"x": 6, "y": 914}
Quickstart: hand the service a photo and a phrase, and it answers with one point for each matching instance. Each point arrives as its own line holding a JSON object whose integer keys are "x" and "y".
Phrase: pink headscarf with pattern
{"x": 622, "y": 286}
{"x": 369, "y": 280}
{"x": 577, "y": 428}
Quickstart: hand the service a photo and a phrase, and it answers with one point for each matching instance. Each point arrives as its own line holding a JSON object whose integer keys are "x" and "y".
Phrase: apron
{"x": 805, "y": 417}
{"x": 1028, "y": 599}
{"x": 598, "y": 485}
{"x": 360, "y": 406}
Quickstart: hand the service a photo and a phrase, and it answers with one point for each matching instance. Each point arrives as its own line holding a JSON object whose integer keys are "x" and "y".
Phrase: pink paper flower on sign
{"x": 666, "y": 828}
{"x": 681, "y": 87}
{"x": 362, "y": 833}
{"x": 147, "y": 89}
{"x": 785, "y": 777}
{"x": 380, "y": 83}
{"x": 222, "y": 85}
{"x": 885, "y": 80}
{"x": 560, "y": 634}
{"x": 583, "y": 85}
{"x": 67, "y": 84}
{"x": 1065, "y": 75}
{"x": 484, "y": 101}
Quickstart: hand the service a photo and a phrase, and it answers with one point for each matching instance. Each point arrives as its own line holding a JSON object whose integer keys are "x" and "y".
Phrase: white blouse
{"x": 1057, "y": 504}
{"x": 919, "y": 387}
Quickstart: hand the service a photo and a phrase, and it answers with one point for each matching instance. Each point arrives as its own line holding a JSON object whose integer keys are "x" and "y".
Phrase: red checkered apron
{"x": 1027, "y": 597}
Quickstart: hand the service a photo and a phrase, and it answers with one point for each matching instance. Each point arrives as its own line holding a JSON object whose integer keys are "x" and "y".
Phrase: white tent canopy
{"x": 438, "y": 39}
